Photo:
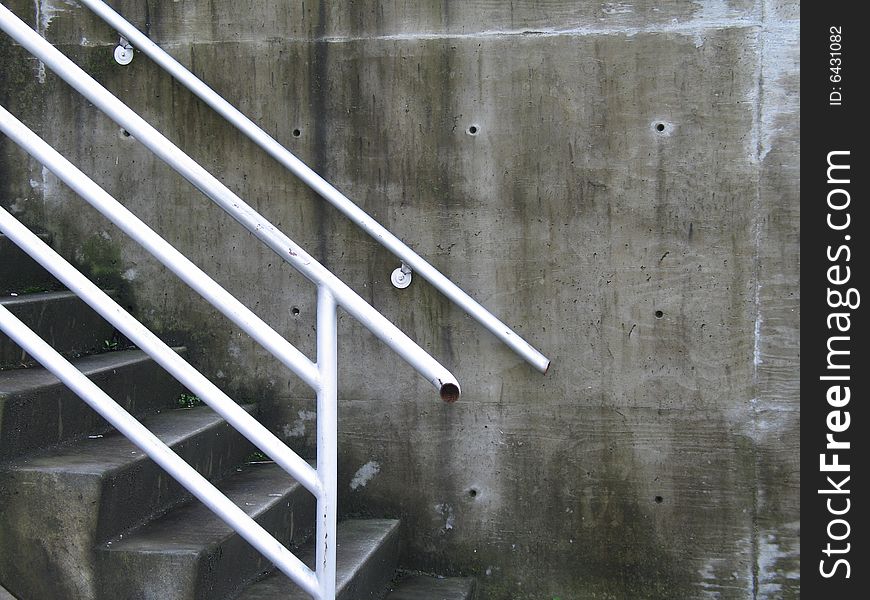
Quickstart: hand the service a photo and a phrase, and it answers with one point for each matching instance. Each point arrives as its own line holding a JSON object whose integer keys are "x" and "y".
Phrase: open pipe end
{"x": 450, "y": 392}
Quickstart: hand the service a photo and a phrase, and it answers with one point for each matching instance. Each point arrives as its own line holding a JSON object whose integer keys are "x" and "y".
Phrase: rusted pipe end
{"x": 450, "y": 393}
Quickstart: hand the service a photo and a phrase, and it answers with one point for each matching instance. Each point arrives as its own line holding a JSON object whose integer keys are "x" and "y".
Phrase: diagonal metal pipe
{"x": 326, "y": 190}
{"x": 283, "y": 246}
{"x": 162, "y": 250}
{"x": 159, "y": 452}
{"x": 162, "y": 354}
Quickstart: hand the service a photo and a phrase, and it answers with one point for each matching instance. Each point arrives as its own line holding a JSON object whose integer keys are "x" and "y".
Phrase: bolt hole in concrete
{"x": 297, "y": 132}
{"x": 295, "y": 311}
{"x": 659, "y": 314}
{"x": 473, "y": 130}
{"x": 472, "y": 492}
{"x": 662, "y": 127}
{"x": 659, "y": 499}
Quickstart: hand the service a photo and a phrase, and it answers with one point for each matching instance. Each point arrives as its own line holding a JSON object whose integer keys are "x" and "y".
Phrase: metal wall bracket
{"x": 123, "y": 52}
{"x": 401, "y": 277}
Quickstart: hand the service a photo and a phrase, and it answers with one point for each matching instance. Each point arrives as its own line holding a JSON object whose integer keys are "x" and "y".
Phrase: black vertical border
{"x": 826, "y": 128}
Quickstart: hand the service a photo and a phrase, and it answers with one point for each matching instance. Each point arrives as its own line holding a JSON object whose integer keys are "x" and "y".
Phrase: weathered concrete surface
{"x": 60, "y": 505}
{"x": 38, "y": 411}
{"x": 61, "y": 318}
{"x": 191, "y": 554}
{"x": 367, "y": 551}
{"x": 19, "y": 273}
{"x": 420, "y": 587}
{"x": 658, "y": 269}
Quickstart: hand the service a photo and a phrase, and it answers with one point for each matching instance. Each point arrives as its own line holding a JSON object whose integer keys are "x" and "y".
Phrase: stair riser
{"x": 217, "y": 573}
{"x": 371, "y": 580}
{"x": 52, "y": 522}
{"x": 368, "y": 551}
{"x": 133, "y": 496}
{"x": 19, "y": 272}
{"x": 420, "y": 587}
{"x": 48, "y": 415}
{"x": 66, "y": 323}
{"x": 236, "y": 562}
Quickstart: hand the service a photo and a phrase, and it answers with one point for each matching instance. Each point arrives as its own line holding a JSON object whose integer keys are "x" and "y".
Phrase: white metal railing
{"x": 322, "y": 482}
{"x": 332, "y": 292}
{"x": 282, "y": 245}
{"x": 159, "y": 452}
{"x": 327, "y": 191}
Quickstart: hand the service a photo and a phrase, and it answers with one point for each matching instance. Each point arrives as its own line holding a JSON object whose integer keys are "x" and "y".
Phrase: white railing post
{"x": 327, "y": 440}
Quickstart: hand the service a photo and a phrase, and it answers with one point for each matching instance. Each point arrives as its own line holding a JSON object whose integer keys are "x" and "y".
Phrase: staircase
{"x": 85, "y": 515}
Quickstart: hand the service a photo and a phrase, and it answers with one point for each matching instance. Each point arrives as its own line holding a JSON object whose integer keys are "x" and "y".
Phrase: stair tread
{"x": 5, "y": 595}
{"x": 423, "y": 587}
{"x": 193, "y": 528}
{"x": 358, "y": 542}
{"x": 18, "y": 381}
{"x": 104, "y": 454}
{"x": 11, "y": 301}
{"x": 40, "y": 234}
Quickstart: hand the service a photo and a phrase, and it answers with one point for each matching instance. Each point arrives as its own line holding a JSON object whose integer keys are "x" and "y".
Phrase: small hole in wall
{"x": 473, "y": 130}
{"x": 660, "y": 127}
{"x": 297, "y": 132}
{"x": 472, "y": 492}
{"x": 659, "y": 499}
{"x": 125, "y": 133}
{"x": 659, "y": 314}
{"x": 295, "y": 311}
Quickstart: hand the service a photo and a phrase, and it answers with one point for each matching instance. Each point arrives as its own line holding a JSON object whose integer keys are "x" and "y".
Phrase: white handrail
{"x": 328, "y": 192}
{"x": 159, "y": 452}
{"x": 283, "y": 246}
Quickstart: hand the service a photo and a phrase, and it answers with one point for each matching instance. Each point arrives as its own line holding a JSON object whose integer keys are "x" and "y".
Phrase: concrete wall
{"x": 658, "y": 269}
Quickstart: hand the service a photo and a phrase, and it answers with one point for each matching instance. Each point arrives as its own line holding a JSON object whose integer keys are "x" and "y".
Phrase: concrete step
{"x": 189, "y": 553}
{"x": 423, "y": 587}
{"x": 60, "y": 504}
{"x": 63, "y": 320}
{"x": 20, "y": 273}
{"x": 4, "y": 595}
{"x": 37, "y": 411}
{"x": 367, "y": 554}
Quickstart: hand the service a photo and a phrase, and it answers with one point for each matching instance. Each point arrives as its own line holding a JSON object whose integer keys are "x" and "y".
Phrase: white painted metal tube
{"x": 327, "y": 441}
{"x": 160, "y": 453}
{"x": 162, "y": 250}
{"x": 238, "y": 417}
{"x": 283, "y": 246}
{"x": 329, "y": 193}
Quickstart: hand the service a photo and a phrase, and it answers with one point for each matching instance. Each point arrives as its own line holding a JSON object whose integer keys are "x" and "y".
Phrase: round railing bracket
{"x": 401, "y": 277}
{"x": 123, "y": 52}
